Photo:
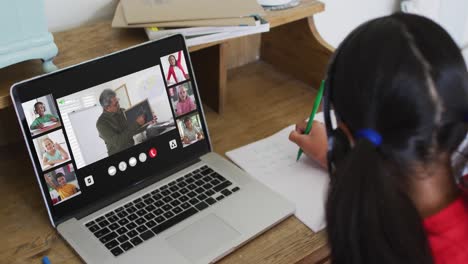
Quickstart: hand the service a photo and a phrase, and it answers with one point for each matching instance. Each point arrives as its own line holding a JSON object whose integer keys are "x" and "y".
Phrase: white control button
{"x": 112, "y": 170}
{"x": 132, "y": 161}
{"x": 122, "y": 166}
{"x": 89, "y": 180}
{"x": 142, "y": 157}
{"x": 173, "y": 144}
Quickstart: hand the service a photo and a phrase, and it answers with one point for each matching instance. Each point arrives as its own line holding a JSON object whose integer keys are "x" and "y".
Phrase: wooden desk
{"x": 36, "y": 132}
{"x": 255, "y": 108}
{"x": 251, "y": 98}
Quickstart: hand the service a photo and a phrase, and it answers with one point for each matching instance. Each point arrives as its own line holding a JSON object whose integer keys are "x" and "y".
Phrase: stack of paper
{"x": 200, "y": 21}
{"x": 200, "y": 35}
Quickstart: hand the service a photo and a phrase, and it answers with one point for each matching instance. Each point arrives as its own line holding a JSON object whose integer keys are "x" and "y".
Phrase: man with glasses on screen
{"x": 112, "y": 124}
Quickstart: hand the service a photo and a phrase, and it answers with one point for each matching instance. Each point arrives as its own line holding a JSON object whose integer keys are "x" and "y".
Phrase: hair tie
{"x": 370, "y": 135}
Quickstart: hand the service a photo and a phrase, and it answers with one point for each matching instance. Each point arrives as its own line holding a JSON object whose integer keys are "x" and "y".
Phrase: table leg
{"x": 210, "y": 70}
{"x": 297, "y": 49}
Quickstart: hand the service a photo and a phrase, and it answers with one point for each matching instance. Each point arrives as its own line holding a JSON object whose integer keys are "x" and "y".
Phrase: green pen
{"x": 318, "y": 98}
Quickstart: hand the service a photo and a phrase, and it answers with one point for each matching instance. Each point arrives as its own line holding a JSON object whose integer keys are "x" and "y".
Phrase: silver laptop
{"x": 131, "y": 186}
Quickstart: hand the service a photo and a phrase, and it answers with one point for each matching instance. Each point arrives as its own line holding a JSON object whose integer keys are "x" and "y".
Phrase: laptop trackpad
{"x": 202, "y": 237}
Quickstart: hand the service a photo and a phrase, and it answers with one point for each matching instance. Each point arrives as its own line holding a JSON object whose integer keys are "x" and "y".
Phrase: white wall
{"x": 342, "y": 16}
{"x": 453, "y": 16}
{"x": 66, "y": 14}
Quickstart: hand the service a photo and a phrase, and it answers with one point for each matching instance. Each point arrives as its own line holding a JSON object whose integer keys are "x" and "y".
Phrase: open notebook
{"x": 272, "y": 161}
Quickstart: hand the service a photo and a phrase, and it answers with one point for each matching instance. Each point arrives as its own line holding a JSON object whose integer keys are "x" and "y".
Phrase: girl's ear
{"x": 347, "y": 133}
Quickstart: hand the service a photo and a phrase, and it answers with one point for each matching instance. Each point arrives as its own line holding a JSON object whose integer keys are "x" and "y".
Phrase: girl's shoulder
{"x": 447, "y": 232}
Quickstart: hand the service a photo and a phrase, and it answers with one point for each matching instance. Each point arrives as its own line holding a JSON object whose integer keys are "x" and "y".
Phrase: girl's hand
{"x": 314, "y": 144}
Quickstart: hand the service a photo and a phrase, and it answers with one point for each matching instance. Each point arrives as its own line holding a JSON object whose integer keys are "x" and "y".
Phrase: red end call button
{"x": 153, "y": 152}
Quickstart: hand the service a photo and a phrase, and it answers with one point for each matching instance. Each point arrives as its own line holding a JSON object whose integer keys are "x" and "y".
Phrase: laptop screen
{"x": 95, "y": 129}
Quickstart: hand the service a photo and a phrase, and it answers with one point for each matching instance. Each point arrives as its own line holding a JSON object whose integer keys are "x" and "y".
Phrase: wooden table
{"x": 255, "y": 100}
{"x": 36, "y": 132}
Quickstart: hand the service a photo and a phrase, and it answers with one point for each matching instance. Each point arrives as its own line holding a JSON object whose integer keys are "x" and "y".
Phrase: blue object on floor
{"x": 45, "y": 260}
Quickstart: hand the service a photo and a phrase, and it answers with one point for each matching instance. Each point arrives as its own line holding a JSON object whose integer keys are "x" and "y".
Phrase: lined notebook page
{"x": 272, "y": 161}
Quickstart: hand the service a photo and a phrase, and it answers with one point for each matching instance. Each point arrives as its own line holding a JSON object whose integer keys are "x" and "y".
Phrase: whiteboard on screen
{"x": 84, "y": 126}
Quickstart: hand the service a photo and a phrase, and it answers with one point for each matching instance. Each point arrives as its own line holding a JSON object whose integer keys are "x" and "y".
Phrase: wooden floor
{"x": 260, "y": 102}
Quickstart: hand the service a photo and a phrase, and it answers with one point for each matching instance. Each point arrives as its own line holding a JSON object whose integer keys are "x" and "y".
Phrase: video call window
{"x": 41, "y": 115}
{"x": 62, "y": 184}
{"x": 116, "y": 115}
{"x": 51, "y": 149}
{"x": 190, "y": 129}
{"x": 175, "y": 68}
{"x": 182, "y": 99}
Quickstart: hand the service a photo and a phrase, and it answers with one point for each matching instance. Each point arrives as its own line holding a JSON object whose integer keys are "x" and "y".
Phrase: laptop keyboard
{"x": 131, "y": 224}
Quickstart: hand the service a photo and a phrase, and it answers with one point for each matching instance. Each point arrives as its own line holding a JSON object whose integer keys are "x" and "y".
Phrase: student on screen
{"x": 399, "y": 89}
{"x": 63, "y": 188}
{"x": 191, "y": 133}
{"x": 184, "y": 104}
{"x": 39, "y": 109}
{"x": 176, "y": 72}
{"x": 54, "y": 153}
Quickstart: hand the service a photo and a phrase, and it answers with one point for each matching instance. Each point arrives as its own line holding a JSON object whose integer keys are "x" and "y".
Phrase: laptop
{"x": 121, "y": 192}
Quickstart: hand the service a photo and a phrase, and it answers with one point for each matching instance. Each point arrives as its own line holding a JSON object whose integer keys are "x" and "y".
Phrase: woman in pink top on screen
{"x": 185, "y": 103}
{"x": 176, "y": 72}
{"x": 399, "y": 89}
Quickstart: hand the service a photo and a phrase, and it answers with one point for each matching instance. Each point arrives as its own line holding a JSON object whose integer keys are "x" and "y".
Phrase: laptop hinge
{"x": 128, "y": 191}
